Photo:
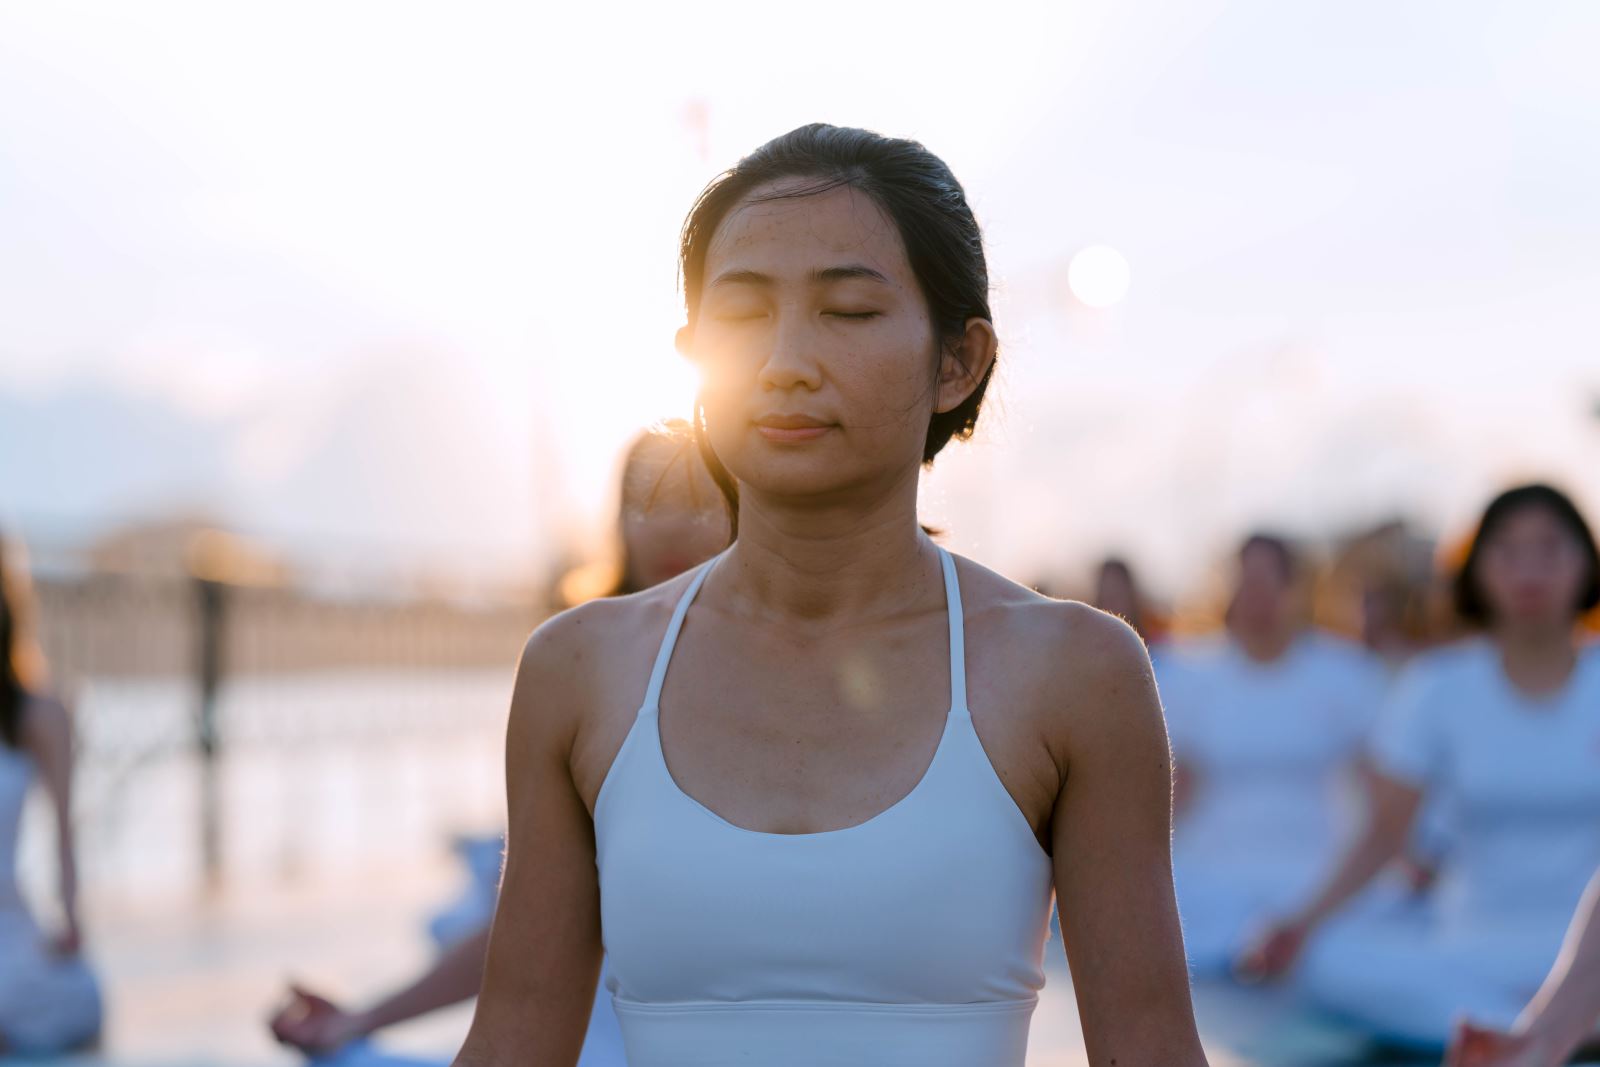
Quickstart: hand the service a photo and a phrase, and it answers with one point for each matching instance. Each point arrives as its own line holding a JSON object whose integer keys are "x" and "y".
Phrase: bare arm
{"x": 317, "y": 1025}
{"x": 544, "y": 946}
{"x": 456, "y": 976}
{"x": 1185, "y": 781}
{"x": 1111, "y": 838}
{"x": 1562, "y": 1014}
{"x": 1392, "y": 811}
{"x": 1566, "y": 1009}
{"x": 47, "y": 733}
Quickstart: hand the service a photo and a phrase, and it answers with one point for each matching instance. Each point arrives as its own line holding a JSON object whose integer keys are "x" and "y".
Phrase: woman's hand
{"x": 314, "y": 1024}
{"x": 1274, "y": 954}
{"x": 1476, "y": 1046}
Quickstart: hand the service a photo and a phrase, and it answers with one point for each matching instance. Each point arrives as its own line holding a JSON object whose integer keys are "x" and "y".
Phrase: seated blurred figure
{"x": 480, "y": 856}
{"x": 49, "y": 999}
{"x": 1267, "y": 723}
{"x": 671, "y": 517}
{"x": 1506, "y": 728}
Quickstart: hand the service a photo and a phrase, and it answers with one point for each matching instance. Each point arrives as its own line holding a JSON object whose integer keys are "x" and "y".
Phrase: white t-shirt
{"x": 1271, "y": 744}
{"x": 1520, "y": 775}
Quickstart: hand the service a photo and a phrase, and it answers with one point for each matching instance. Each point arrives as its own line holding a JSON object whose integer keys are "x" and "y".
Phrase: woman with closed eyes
{"x": 812, "y": 799}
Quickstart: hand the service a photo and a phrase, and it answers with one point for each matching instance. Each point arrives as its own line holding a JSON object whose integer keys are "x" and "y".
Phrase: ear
{"x": 963, "y": 364}
{"x": 684, "y": 341}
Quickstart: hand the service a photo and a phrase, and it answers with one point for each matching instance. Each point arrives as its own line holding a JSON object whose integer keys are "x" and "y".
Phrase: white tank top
{"x": 914, "y": 939}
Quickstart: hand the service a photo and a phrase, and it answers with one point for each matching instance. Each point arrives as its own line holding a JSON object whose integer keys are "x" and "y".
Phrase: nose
{"x": 791, "y": 361}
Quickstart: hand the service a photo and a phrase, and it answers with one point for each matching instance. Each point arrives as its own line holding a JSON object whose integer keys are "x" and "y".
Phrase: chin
{"x": 792, "y": 482}
{"x": 794, "y": 473}
{"x": 1536, "y": 615}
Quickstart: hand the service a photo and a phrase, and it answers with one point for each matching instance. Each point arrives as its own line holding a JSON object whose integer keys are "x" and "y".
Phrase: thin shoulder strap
{"x": 652, "y": 695}
{"x": 958, "y": 631}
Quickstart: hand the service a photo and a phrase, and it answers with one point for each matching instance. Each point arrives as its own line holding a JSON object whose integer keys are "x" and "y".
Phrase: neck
{"x": 1264, "y": 646}
{"x": 1537, "y": 657}
{"x": 837, "y": 561}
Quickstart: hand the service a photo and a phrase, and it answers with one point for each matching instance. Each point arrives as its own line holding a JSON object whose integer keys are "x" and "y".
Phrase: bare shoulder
{"x": 1066, "y": 638}
{"x": 582, "y": 662}
{"x": 1086, "y": 674}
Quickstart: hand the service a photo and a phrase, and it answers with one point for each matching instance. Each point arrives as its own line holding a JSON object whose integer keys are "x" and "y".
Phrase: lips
{"x": 791, "y": 429}
{"x": 791, "y": 422}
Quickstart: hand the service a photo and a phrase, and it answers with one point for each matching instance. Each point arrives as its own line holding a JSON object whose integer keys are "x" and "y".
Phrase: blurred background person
{"x": 1267, "y": 723}
{"x": 1505, "y": 727}
{"x": 1384, "y": 633}
{"x": 1117, "y": 591}
{"x": 670, "y": 517}
{"x": 49, "y": 999}
{"x": 1378, "y": 589}
{"x": 1563, "y": 1015}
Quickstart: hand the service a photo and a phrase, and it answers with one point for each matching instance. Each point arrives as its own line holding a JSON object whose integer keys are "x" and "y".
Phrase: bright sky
{"x": 1361, "y": 242}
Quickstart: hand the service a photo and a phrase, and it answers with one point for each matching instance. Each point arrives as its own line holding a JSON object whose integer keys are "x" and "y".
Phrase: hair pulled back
{"x": 922, "y": 198}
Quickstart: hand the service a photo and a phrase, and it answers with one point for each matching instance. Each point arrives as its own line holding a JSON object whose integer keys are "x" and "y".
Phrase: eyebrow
{"x": 849, "y": 272}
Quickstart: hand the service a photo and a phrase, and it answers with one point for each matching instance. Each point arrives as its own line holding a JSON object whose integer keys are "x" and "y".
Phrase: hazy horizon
{"x": 299, "y": 269}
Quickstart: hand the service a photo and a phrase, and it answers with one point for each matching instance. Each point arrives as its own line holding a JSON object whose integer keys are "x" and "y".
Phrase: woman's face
{"x": 1263, "y": 600}
{"x": 819, "y": 362}
{"x": 1531, "y": 569}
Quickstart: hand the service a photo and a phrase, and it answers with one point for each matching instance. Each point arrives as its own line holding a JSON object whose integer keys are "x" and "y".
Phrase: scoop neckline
{"x": 922, "y": 781}
{"x": 1546, "y": 704}
{"x": 955, "y": 615}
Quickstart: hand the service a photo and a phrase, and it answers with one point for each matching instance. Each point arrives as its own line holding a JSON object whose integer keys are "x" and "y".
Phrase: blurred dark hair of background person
{"x": 1521, "y": 561}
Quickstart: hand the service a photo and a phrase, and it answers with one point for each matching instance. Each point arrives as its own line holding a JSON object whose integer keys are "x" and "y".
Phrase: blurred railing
{"x": 234, "y": 732}
{"x": 122, "y": 625}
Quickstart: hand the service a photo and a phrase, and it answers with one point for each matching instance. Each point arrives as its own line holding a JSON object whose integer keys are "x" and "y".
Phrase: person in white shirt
{"x": 1506, "y": 728}
{"x": 1267, "y": 724}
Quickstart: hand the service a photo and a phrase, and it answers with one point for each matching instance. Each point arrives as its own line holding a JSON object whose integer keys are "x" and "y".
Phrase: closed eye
{"x": 856, "y": 315}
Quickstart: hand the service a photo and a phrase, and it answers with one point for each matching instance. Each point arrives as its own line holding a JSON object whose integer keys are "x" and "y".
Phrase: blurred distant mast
{"x": 211, "y": 598}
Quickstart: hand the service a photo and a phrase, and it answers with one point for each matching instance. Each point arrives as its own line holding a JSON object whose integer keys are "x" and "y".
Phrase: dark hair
{"x": 1470, "y": 602}
{"x": 914, "y": 188}
{"x": 1288, "y": 559}
{"x": 12, "y": 695}
{"x": 1117, "y": 565}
